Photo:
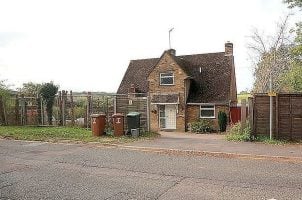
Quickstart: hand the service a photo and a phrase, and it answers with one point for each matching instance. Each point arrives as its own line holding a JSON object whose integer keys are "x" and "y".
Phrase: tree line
{"x": 278, "y": 56}
{"x": 45, "y": 92}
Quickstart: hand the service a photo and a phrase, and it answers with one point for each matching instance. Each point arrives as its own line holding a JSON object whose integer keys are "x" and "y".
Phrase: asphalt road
{"x": 58, "y": 171}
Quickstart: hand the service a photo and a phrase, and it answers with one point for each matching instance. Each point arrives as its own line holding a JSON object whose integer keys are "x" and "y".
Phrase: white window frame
{"x": 211, "y": 109}
{"x": 161, "y": 76}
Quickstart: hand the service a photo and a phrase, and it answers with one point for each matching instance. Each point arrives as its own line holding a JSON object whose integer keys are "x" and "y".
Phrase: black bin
{"x": 133, "y": 121}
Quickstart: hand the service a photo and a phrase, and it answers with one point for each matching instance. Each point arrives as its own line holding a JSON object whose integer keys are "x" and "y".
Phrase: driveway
{"x": 216, "y": 143}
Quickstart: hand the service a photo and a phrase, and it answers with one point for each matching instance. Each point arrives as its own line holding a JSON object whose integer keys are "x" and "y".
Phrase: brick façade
{"x": 199, "y": 79}
{"x": 193, "y": 114}
{"x": 168, "y": 64}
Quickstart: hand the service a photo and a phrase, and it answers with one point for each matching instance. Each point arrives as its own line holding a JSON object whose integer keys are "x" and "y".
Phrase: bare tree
{"x": 294, "y": 3}
{"x": 271, "y": 56}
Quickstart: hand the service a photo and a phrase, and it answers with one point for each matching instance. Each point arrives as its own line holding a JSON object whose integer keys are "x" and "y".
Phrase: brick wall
{"x": 193, "y": 114}
{"x": 167, "y": 64}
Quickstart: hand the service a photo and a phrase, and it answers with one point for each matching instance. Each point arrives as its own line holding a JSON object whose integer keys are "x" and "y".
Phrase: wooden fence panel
{"x": 262, "y": 113}
{"x": 134, "y": 103}
{"x": 296, "y": 105}
{"x": 287, "y": 116}
{"x": 284, "y": 117}
{"x": 290, "y": 116}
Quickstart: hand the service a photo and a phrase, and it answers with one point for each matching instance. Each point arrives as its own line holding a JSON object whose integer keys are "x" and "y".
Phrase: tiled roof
{"x": 211, "y": 85}
{"x": 165, "y": 98}
{"x": 137, "y": 74}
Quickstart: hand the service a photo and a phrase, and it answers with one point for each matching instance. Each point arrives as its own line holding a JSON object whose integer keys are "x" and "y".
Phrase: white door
{"x": 170, "y": 116}
{"x": 167, "y": 116}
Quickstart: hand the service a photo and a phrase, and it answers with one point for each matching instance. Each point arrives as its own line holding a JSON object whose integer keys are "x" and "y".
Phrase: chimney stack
{"x": 228, "y": 48}
{"x": 172, "y": 52}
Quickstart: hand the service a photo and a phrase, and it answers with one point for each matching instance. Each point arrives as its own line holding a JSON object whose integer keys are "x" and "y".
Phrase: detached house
{"x": 183, "y": 89}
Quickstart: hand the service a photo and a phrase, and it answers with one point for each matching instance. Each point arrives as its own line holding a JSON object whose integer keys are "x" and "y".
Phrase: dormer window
{"x": 167, "y": 78}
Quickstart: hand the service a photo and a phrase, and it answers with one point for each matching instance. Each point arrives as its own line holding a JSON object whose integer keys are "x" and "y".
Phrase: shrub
{"x": 239, "y": 133}
{"x": 222, "y": 121}
{"x": 202, "y": 126}
{"x": 48, "y": 92}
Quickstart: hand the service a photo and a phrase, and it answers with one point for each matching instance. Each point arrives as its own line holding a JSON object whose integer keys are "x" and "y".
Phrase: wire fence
{"x": 71, "y": 110}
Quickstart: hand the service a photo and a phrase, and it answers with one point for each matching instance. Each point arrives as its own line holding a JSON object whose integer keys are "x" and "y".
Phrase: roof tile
{"x": 211, "y": 76}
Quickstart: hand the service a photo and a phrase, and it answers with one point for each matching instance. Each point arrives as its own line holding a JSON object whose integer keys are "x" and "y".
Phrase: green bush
{"x": 202, "y": 126}
{"x": 239, "y": 133}
{"x": 48, "y": 92}
{"x": 222, "y": 121}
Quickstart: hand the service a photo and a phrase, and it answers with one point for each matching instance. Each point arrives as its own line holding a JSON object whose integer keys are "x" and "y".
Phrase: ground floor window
{"x": 207, "y": 111}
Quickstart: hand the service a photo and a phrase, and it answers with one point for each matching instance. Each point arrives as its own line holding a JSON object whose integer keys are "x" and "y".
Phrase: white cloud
{"x": 87, "y": 45}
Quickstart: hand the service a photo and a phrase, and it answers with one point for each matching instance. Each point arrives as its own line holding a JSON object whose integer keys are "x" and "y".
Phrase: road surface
{"x": 36, "y": 170}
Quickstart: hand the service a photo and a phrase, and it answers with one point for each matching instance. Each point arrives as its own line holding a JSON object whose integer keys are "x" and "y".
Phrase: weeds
{"x": 239, "y": 133}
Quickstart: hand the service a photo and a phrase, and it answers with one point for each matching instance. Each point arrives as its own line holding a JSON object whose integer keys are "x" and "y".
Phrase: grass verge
{"x": 238, "y": 132}
{"x": 56, "y": 134}
{"x": 265, "y": 139}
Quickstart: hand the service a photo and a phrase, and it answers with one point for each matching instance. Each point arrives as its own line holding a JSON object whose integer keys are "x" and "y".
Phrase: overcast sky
{"x": 87, "y": 45}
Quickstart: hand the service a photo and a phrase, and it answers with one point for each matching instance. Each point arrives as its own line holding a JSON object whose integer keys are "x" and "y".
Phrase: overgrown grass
{"x": 265, "y": 139}
{"x": 54, "y": 134}
{"x": 239, "y": 133}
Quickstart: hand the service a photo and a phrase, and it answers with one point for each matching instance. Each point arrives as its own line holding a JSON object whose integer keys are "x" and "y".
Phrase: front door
{"x": 167, "y": 116}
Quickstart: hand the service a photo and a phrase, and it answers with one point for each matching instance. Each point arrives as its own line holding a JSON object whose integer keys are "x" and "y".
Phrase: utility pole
{"x": 170, "y": 37}
{"x": 271, "y": 97}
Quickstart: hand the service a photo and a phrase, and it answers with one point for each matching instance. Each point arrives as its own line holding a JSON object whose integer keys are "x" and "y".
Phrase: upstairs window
{"x": 167, "y": 78}
{"x": 207, "y": 111}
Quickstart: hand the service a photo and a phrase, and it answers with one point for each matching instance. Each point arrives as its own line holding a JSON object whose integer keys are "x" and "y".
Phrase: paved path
{"x": 37, "y": 170}
{"x": 216, "y": 143}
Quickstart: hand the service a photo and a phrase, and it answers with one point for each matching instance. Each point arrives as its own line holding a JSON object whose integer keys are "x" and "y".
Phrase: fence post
{"x": 25, "y": 111}
{"x": 17, "y": 113}
{"x": 243, "y": 113}
{"x": 72, "y": 108}
{"x": 86, "y": 113}
{"x": 251, "y": 116}
{"x": 42, "y": 110}
{"x": 114, "y": 105}
{"x": 64, "y": 96}
{"x": 148, "y": 113}
{"x": 60, "y": 108}
{"x": 88, "y": 110}
{"x": 22, "y": 103}
{"x": 2, "y": 111}
{"x": 107, "y": 110}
